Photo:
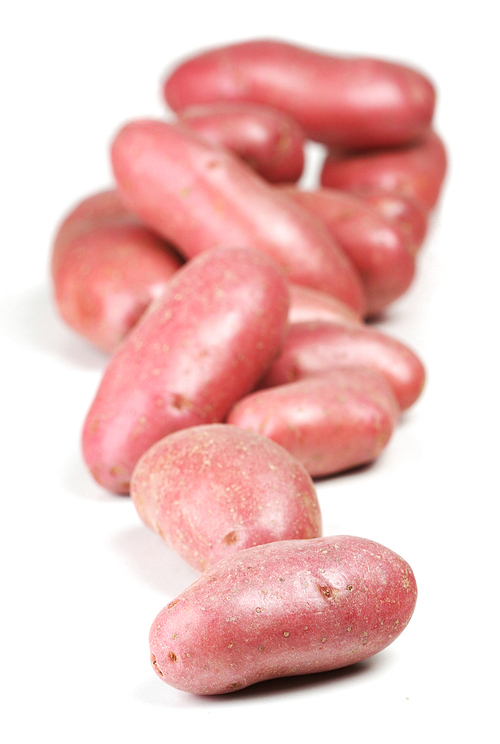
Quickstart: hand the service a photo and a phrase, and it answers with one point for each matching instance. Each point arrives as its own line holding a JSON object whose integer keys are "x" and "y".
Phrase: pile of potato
{"x": 234, "y": 307}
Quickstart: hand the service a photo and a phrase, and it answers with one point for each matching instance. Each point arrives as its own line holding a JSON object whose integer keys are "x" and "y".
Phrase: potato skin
{"x": 201, "y": 197}
{"x": 416, "y": 171}
{"x": 330, "y": 423}
{"x": 348, "y": 102}
{"x": 376, "y": 247}
{"x": 107, "y": 268}
{"x": 203, "y": 345}
{"x": 308, "y": 304}
{"x": 282, "y": 609}
{"x": 408, "y": 214}
{"x": 317, "y": 347}
{"x": 271, "y": 142}
{"x": 212, "y": 490}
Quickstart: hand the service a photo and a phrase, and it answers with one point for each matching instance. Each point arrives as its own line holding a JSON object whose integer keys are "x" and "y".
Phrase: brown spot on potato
{"x": 172, "y": 603}
{"x": 155, "y": 664}
{"x": 230, "y": 538}
{"x": 180, "y": 402}
{"x": 329, "y": 592}
{"x": 172, "y": 656}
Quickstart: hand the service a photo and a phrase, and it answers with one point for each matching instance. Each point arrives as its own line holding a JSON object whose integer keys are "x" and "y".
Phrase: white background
{"x": 82, "y": 578}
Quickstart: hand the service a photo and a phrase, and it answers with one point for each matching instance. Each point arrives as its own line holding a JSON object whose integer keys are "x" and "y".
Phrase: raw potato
{"x": 308, "y": 304}
{"x": 283, "y": 609}
{"x": 316, "y": 348}
{"x": 348, "y": 102}
{"x": 198, "y": 350}
{"x": 271, "y": 142}
{"x": 408, "y": 214}
{"x": 330, "y": 423}
{"x": 212, "y": 490}
{"x": 201, "y": 197}
{"x": 416, "y": 171}
{"x": 107, "y": 268}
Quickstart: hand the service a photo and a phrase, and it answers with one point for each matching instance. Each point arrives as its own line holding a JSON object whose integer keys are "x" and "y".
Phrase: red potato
{"x": 307, "y": 304}
{"x": 415, "y": 171}
{"x": 376, "y": 247}
{"x": 283, "y": 609}
{"x": 212, "y": 490}
{"x": 316, "y": 348}
{"x": 330, "y": 423}
{"x": 409, "y": 216}
{"x": 271, "y": 142}
{"x": 343, "y": 101}
{"x": 107, "y": 268}
{"x": 202, "y": 346}
{"x": 201, "y": 197}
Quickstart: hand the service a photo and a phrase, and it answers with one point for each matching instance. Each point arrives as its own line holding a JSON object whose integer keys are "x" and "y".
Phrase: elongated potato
{"x": 408, "y": 214}
{"x": 376, "y": 247}
{"x": 202, "y": 197}
{"x": 271, "y": 142}
{"x": 282, "y": 609}
{"x": 330, "y": 423}
{"x": 316, "y": 348}
{"x": 416, "y": 171}
{"x": 307, "y": 304}
{"x": 201, "y": 347}
{"x": 212, "y": 490}
{"x": 107, "y": 268}
{"x": 351, "y": 102}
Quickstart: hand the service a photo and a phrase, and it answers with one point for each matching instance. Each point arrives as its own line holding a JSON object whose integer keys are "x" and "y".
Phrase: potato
{"x": 316, "y": 348}
{"x": 408, "y": 214}
{"x": 308, "y": 304}
{"x": 107, "y": 268}
{"x": 416, "y": 171}
{"x": 282, "y": 609}
{"x": 212, "y": 490}
{"x": 376, "y": 247}
{"x": 202, "y": 197}
{"x": 330, "y": 423}
{"x": 342, "y": 101}
{"x": 202, "y": 346}
{"x": 271, "y": 142}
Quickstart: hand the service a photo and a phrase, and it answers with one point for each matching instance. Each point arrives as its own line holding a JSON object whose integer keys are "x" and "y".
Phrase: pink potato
{"x": 308, "y": 304}
{"x": 212, "y": 490}
{"x": 315, "y": 348}
{"x": 271, "y": 142}
{"x": 408, "y": 214}
{"x": 377, "y": 247}
{"x": 202, "y": 346}
{"x": 107, "y": 268}
{"x": 283, "y": 609}
{"x": 343, "y": 101}
{"x": 330, "y": 423}
{"x": 415, "y": 171}
{"x": 202, "y": 197}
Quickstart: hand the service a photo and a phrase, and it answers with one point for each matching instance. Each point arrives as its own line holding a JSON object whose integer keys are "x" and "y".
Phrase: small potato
{"x": 271, "y": 142}
{"x": 282, "y": 609}
{"x": 330, "y": 423}
{"x": 344, "y": 101}
{"x": 307, "y": 304}
{"x": 107, "y": 268}
{"x": 212, "y": 490}
{"x": 408, "y": 214}
{"x": 203, "y": 345}
{"x": 416, "y": 171}
{"x": 316, "y": 348}
{"x": 202, "y": 197}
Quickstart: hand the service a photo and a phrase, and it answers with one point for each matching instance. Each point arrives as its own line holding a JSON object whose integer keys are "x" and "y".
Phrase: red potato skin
{"x": 307, "y": 304}
{"x": 201, "y": 197}
{"x": 343, "y": 101}
{"x": 271, "y": 142}
{"x": 212, "y": 490}
{"x": 376, "y": 247}
{"x": 315, "y": 348}
{"x": 283, "y": 609}
{"x": 409, "y": 216}
{"x": 202, "y": 346}
{"x": 415, "y": 171}
{"x": 330, "y": 423}
{"x": 107, "y": 268}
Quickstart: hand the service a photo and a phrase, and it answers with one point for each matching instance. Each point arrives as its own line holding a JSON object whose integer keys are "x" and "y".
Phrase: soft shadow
{"x": 346, "y": 473}
{"x": 33, "y": 319}
{"x": 151, "y": 560}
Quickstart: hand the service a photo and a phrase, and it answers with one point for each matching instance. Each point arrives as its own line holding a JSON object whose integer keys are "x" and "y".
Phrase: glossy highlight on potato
{"x": 282, "y": 609}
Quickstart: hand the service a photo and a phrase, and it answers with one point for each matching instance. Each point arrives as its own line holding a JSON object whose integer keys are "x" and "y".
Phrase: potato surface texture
{"x": 307, "y": 304}
{"x": 202, "y": 346}
{"x": 348, "y": 102}
{"x": 212, "y": 490}
{"x": 201, "y": 197}
{"x": 282, "y": 609}
{"x": 330, "y": 423}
